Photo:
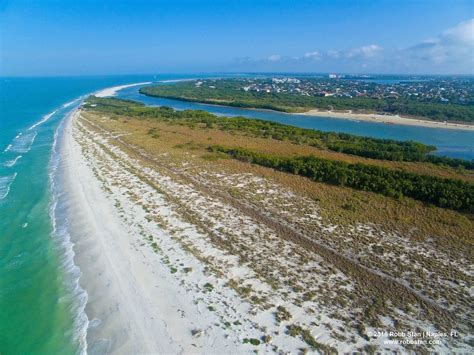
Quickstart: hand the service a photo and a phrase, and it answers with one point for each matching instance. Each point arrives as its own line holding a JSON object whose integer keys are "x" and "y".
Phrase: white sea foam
{"x": 5, "y": 183}
{"x": 62, "y": 237}
{"x": 67, "y": 104}
{"x": 60, "y": 227}
{"x": 10, "y": 163}
{"x": 60, "y": 233}
{"x": 43, "y": 120}
{"x": 22, "y": 143}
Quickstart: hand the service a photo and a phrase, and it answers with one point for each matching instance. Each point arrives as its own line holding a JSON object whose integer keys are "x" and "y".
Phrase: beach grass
{"x": 184, "y": 151}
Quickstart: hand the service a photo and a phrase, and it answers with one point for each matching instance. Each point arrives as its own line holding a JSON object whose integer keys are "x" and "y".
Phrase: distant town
{"x": 456, "y": 90}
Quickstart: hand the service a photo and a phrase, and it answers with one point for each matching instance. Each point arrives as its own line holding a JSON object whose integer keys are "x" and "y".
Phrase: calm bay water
{"x": 451, "y": 143}
{"x": 40, "y": 301}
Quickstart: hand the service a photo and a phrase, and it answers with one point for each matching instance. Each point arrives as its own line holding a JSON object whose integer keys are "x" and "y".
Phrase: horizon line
{"x": 233, "y": 73}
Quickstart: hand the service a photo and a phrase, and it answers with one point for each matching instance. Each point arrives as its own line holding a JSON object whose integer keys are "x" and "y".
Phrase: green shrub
{"x": 385, "y": 149}
{"x": 441, "y": 192}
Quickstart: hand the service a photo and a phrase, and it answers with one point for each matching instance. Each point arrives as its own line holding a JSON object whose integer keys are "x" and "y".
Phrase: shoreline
{"x": 112, "y": 91}
{"x": 150, "y": 240}
{"x": 388, "y": 119}
{"x": 366, "y": 117}
{"x": 147, "y": 292}
{"x": 134, "y": 303}
{"x": 104, "y": 256}
{"x": 58, "y": 212}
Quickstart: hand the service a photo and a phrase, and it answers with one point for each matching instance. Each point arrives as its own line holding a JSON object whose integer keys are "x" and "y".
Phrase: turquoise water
{"x": 41, "y": 303}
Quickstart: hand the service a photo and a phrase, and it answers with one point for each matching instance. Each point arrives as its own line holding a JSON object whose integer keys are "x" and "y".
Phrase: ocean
{"x": 41, "y": 301}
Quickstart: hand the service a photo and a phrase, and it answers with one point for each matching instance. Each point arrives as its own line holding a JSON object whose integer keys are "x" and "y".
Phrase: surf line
{"x": 43, "y": 120}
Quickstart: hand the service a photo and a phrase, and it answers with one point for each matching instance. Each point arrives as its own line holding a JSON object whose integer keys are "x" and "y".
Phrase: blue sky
{"x": 45, "y": 37}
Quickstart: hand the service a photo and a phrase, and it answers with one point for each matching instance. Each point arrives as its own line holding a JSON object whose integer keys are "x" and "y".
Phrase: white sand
{"x": 389, "y": 119}
{"x": 104, "y": 256}
{"x": 134, "y": 305}
{"x": 142, "y": 300}
{"x": 113, "y": 90}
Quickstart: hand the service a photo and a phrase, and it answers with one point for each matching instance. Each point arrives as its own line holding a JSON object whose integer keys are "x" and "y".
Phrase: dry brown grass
{"x": 183, "y": 148}
{"x": 204, "y": 136}
{"x": 339, "y": 205}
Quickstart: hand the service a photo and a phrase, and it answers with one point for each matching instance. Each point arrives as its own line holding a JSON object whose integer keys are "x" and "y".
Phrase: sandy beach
{"x": 172, "y": 263}
{"x": 248, "y": 178}
{"x": 135, "y": 305}
{"x": 349, "y": 115}
{"x": 156, "y": 281}
{"x": 389, "y": 119}
{"x": 113, "y": 90}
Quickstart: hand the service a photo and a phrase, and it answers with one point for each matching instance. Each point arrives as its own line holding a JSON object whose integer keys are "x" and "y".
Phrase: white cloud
{"x": 368, "y": 51}
{"x": 364, "y": 52}
{"x": 451, "y": 51}
{"x": 274, "y": 58}
{"x": 333, "y": 53}
{"x": 312, "y": 55}
{"x": 455, "y": 45}
{"x": 463, "y": 33}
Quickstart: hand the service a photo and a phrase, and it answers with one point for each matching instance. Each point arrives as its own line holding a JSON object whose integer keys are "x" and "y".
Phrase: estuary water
{"x": 450, "y": 143}
{"x": 41, "y": 301}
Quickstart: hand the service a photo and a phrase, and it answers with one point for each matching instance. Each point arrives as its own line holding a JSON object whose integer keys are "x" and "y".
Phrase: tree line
{"x": 442, "y": 192}
{"x": 227, "y": 92}
{"x": 375, "y": 148}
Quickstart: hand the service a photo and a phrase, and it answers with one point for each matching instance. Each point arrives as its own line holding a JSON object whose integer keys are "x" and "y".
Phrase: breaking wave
{"x": 43, "y": 120}
{"x": 5, "y": 183}
{"x": 11, "y": 163}
{"x": 62, "y": 236}
{"x": 22, "y": 143}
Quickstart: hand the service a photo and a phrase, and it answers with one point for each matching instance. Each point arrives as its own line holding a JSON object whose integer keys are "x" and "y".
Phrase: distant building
{"x": 286, "y": 80}
{"x": 332, "y": 76}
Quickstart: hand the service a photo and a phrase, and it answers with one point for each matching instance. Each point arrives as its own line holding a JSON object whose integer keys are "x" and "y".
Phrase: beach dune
{"x": 134, "y": 304}
{"x": 172, "y": 262}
